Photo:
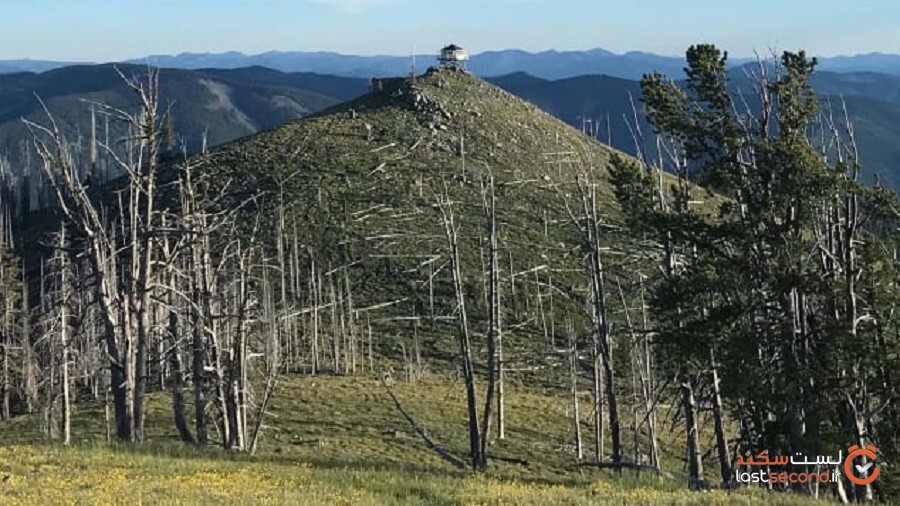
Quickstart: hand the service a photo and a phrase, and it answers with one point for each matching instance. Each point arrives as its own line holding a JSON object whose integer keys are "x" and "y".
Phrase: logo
{"x": 765, "y": 474}
{"x": 861, "y": 473}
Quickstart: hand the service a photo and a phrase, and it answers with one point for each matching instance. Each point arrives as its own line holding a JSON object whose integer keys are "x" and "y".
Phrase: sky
{"x": 112, "y": 30}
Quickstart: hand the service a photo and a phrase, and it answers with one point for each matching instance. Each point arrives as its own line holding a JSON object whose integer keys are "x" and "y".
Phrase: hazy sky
{"x": 104, "y": 30}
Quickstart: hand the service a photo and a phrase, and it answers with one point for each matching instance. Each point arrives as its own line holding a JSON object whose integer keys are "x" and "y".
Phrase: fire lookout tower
{"x": 453, "y": 57}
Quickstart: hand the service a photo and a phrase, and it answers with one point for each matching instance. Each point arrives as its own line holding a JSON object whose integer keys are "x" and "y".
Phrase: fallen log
{"x": 441, "y": 451}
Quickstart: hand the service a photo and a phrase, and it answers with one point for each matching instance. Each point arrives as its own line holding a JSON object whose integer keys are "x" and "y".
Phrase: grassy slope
{"x": 369, "y": 198}
{"x": 367, "y": 454}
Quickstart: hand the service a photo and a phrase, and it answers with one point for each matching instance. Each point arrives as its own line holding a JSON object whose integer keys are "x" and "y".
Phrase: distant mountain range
{"x": 14, "y": 66}
{"x": 872, "y": 100}
{"x": 218, "y": 105}
{"x": 225, "y": 104}
{"x": 545, "y": 64}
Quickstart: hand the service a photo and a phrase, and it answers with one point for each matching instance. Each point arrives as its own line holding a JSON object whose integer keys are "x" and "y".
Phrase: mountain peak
{"x": 363, "y": 175}
{"x": 444, "y": 104}
{"x": 406, "y": 129}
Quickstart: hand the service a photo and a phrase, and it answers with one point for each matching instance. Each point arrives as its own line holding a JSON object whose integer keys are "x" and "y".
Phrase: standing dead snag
{"x": 192, "y": 224}
{"x": 601, "y": 320}
{"x": 9, "y": 279}
{"x": 120, "y": 254}
{"x": 590, "y": 227}
{"x": 65, "y": 284}
{"x": 573, "y": 375}
{"x": 635, "y": 428}
{"x": 315, "y": 287}
{"x": 478, "y": 436}
{"x": 173, "y": 333}
{"x": 53, "y": 341}
{"x": 694, "y": 454}
{"x": 645, "y": 369}
{"x": 221, "y": 301}
{"x": 494, "y": 366}
{"x": 272, "y": 357}
{"x": 445, "y": 210}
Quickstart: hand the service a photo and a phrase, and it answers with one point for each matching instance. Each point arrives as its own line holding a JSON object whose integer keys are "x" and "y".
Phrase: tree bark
{"x": 490, "y": 210}
{"x": 694, "y": 455}
{"x": 573, "y": 378}
{"x": 177, "y": 379}
{"x": 722, "y": 449}
{"x": 463, "y": 330}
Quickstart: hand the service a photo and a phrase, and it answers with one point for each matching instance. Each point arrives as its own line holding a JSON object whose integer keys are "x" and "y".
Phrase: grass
{"x": 365, "y": 198}
{"x": 53, "y": 475}
{"x": 364, "y": 453}
{"x": 340, "y": 440}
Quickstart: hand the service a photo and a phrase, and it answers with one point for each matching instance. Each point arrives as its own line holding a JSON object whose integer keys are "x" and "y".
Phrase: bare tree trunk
{"x": 694, "y": 455}
{"x": 635, "y": 430}
{"x": 647, "y": 386}
{"x": 573, "y": 376}
{"x": 512, "y": 285}
{"x": 605, "y": 352}
{"x": 501, "y": 397}
{"x": 431, "y": 293}
{"x": 106, "y": 417}
{"x": 273, "y": 364}
{"x": 177, "y": 380}
{"x": 173, "y": 354}
{"x": 8, "y": 278}
{"x": 369, "y": 330}
{"x": 64, "y": 287}
{"x": 494, "y": 325}
{"x": 335, "y": 331}
{"x": 314, "y": 303}
{"x": 590, "y": 225}
{"x": 123, "y": 291}
{"x": 4, "y": 349}
{"x": 719, "y": 419}
{"x": 221, "y": 395}
{"x": 541, "y": 312}
{"x": 29, "y": 381}
{"x": 351, "y": 324}
{"x": 238, "y": 369}
{"x": 598, "y": 403}
{"x": 463, "y": 328}
{"x": 198, "y": 350}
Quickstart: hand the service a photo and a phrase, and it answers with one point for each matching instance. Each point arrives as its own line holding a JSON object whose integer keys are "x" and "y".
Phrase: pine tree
{"x": 766, "y": 279}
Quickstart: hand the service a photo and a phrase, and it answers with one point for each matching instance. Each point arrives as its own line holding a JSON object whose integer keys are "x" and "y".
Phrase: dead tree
{"x": 445, "y": 211}
{"x": 646, "y": 376}
{"x": 694, "y": 453}
{"x": 64, "y": 295}
{"x": 573, "y": 378}
{"x": 272, "y": 362}
{"x": 173, "y": 331}
{"x": 635, "y": 353}
{"x": 719, "y": 420}
{"x": 585, "y": 217}
{"x": 591, "y": 226}
{"x": 314, "y": 302}
{"x": 120, "y": 256}
{"x": 9, "y": 281}
{"x": 29, "y": 372}
{"x": 494, "y": 366}
{"x": 234, "y": 315}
